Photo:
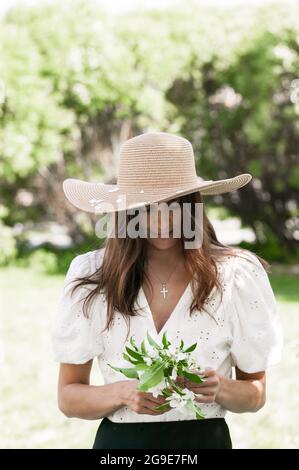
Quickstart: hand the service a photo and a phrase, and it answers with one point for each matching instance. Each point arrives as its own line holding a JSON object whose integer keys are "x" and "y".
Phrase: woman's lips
{"x": 159, "y": 234}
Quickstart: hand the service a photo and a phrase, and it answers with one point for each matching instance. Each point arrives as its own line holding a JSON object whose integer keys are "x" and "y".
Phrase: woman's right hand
{"x": 138, "y": 401}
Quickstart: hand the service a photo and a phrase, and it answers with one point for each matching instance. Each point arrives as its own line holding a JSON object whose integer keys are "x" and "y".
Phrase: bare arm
{"x": 77, "y": 398}
{"x": 244, "y": 394}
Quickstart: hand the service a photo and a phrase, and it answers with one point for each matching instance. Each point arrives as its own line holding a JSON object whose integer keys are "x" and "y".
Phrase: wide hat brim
{"x": 103, "y": 198}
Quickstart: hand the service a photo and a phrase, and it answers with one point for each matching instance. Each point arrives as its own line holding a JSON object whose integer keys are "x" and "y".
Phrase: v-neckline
{"x": 172, "y": 314}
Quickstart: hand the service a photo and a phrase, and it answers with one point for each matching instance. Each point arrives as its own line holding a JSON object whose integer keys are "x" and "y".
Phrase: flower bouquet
{"x": 157, "y": 366}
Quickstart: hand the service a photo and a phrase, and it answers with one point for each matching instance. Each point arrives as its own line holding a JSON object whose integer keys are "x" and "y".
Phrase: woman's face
{"x": 163, "y": 225}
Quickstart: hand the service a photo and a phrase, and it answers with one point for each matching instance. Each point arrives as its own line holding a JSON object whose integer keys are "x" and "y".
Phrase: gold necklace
{"x": 164, "y": 290}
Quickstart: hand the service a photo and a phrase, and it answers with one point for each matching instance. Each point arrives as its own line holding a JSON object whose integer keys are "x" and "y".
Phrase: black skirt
{"x": 209, "y": 433}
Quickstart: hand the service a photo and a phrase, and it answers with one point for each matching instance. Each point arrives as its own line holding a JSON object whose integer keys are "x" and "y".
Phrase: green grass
{"x": 31, "y": 418}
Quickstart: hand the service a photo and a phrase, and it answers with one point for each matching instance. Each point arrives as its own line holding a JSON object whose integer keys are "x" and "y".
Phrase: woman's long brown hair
{"x": 121, "y": 272}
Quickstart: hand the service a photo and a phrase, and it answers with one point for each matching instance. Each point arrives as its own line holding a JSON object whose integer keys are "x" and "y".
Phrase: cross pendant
{"x": 164, "y": 290}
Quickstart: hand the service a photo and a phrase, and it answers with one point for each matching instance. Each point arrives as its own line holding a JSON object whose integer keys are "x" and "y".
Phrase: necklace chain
{"x": 164, "y": 289}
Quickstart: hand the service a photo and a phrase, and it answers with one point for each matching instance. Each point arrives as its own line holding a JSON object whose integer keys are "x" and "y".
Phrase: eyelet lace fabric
{"x": 243, "y": 329}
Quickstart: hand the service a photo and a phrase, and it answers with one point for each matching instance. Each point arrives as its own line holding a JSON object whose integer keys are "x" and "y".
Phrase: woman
{"x": 207, "y": 293}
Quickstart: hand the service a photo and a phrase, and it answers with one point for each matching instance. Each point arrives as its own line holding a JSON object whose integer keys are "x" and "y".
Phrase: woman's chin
{"x": 162, "y": 242}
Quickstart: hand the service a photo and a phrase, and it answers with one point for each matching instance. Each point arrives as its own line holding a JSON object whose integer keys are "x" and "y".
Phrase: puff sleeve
{"x": 76, "y": 338}
{"x": 256, "y": 332}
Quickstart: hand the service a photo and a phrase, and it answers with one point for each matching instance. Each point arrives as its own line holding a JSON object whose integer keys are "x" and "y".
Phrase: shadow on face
{"x": 163, "y": 223}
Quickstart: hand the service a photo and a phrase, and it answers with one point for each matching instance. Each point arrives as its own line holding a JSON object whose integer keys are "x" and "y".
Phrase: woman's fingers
{"x": 207, "y": 391}
{"x": 209, "y": 382}
{"x": 207, "y": 372}
{"x": 205, "y": 399}
{"x": 205, "y": 375}
{"x": 204, "y": 392}
{"x": 155, "y": 402}
{"x": 144, "y": 405}
{"x": 149, "y": 407}
{"x": 159, "y": 399}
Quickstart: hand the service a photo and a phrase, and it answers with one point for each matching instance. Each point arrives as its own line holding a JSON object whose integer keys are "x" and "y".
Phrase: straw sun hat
{"x": 153, "y": 167}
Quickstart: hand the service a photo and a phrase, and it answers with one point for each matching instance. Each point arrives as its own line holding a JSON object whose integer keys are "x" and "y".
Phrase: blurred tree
{"x": 241, "y": 117}
{"x": 75, "y": 87}
{"x": 76, "y": 83}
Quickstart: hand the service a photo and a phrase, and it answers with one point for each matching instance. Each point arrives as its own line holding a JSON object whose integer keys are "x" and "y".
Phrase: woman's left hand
{"x": 206, "y": 390}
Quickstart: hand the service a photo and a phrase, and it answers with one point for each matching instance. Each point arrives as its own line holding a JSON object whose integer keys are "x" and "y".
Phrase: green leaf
{"x": 184, "y": 362}
{"x": 200, "y": 416}
{"x": 128, "y": 358}
{"x": 141, "y": 366}
{"x": 175, "y": 387}
{"x": 194, "y": 377}
{"x": 133, "y": 344}
{"x": 165, "y": 341}
{"x": 152, "y": 376}
{"x": 163, "y": 407}
{"x": 191, "y": 348}
{"x": 179, "y": 368}
{"x": 166, "y": 392}
{"x": 168, "y": 371}
{"x": 194, "y": 407}
{"x": 152, "y": 342}
{"x": 181, "y": 344}
{"x": 143, "y": 349}
{"x": 134, "y": 354}
{"x": 130, "y": 373}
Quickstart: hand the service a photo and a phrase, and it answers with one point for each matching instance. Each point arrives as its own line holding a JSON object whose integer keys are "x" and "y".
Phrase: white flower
{"x": 188, "y": 393}
{"x": 174, "y": 400}
{"x": 172, "y": 349}
{"x": 155, "y": 356}
{"x": 152, "y": 352}
{"x": 179, "y": 402}
{"x": 157, "y": 389}
{"x": 181, "y": 356}
{"x": 148, "y": 361}
{"x": 150, "y": 349}
{"x": 174, "y": 373}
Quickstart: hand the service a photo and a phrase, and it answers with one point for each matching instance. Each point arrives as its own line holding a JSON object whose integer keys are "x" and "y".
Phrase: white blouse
{"x": 245, "y": 331}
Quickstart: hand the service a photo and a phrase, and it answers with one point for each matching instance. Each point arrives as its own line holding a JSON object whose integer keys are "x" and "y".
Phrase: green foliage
{"x": 158, "y": 372}
{"x": 48, "y": 258}
{"x": 75, "y": 85}
{"x": 241, "y": 118}
{"x": 42, "y": 261}
{"x": 271, "y": 250}
{"x": 8, "y": 248}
